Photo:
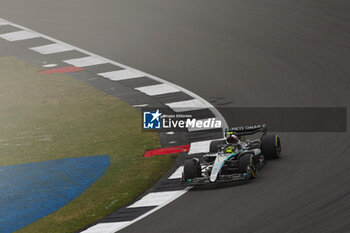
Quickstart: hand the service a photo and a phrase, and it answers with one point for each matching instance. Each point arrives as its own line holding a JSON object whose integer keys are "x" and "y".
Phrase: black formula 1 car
{"x": 229, "y": 161}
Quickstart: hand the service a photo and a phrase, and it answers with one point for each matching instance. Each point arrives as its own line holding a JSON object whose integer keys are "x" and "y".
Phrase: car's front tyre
{"x": 192, "y": 169}
{"x": 246, "y": 165}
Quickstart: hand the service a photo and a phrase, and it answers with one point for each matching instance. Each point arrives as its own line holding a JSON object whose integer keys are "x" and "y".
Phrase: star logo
{"x": 151, "y": 120}
{"x": 156, "y": 115}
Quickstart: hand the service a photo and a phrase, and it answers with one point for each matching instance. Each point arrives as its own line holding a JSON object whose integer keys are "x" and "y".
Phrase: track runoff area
{"x": 164, "y": 105}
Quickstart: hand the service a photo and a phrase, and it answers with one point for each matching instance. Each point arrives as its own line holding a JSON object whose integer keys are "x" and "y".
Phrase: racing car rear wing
{"x": 247, "y": 130}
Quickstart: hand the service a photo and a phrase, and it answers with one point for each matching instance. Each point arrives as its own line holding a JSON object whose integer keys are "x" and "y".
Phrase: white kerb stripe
{"x": 118, "y": 75}
{"x": 155, "y": 209}
{"x": 107, "y": 227}
{"x": 177, "y": 174}
{"x": 52, "y": 48}
{"x": 187, "y": 105}
{"x": 87, "y": 61}
{"x": 156, "y": 199}
{"x": 200, "y": 147}
{"x": 158, "y": 89}
{"x": 19, "y": 35}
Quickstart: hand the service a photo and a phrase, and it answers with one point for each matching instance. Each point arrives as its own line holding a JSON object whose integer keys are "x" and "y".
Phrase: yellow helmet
{"x": 230, "y": 149}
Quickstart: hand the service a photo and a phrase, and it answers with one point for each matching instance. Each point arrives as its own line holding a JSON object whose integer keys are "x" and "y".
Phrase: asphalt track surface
{"x": 255, "y": 53}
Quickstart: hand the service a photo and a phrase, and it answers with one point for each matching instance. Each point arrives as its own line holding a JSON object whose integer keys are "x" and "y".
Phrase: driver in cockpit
{"x": 232, "y": 140}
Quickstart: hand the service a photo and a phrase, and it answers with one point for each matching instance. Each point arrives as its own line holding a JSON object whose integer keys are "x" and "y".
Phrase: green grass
{"x": 44, "y": 117}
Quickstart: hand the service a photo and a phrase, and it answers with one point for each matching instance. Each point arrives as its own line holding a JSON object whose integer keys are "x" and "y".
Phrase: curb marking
{"x": 107, "y": 227}
{"x": 187, "y": 105}
{"x": 61, "y": 70}
{"x": 158, "y": 89}
{"x": 122, "y": 74}
{"x": 156, "y": 199}
{"x": 52, "y": 48}
{"x": 177, "y": 174}
{"x": 167, "y": 150}
{"x": 86, "y": 61}
{"x": 19, "y": 35}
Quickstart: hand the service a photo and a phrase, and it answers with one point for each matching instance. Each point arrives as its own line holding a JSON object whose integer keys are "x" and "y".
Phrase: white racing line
{"x": 157, "y": 199}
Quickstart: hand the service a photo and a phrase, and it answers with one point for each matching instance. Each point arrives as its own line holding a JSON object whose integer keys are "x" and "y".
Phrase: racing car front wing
{"x": 221, "y": 179}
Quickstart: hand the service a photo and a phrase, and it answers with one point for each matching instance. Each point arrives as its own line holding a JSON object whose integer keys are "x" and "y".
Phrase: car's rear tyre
{"x": 214, "y": 145}
{"x": 271, "y": 146}
{"x": 192, "y": 169}
{"x": 245, "y": 161}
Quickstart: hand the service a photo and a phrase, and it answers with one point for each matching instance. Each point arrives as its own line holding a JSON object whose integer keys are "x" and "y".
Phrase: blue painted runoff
{"x": 32, "y": 191}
